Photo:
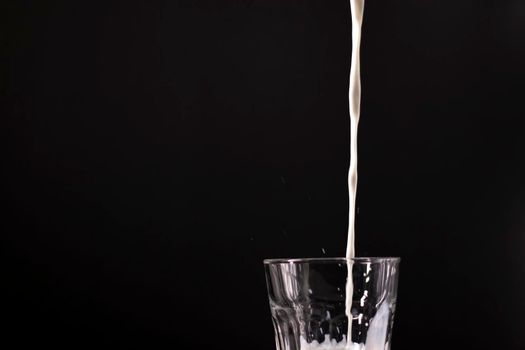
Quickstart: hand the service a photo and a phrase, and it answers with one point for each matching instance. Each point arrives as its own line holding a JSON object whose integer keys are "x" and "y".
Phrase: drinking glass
{"x": 308, "y": 302}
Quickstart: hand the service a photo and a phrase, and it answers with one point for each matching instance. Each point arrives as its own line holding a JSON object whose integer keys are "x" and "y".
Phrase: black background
{"x": 157, "y": 151}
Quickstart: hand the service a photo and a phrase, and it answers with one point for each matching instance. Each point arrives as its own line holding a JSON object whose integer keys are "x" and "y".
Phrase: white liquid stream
{"x": 354, "y": 99}
{"x": 376, "y": 335}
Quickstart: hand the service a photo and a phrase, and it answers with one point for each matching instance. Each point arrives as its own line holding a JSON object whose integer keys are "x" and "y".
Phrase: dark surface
{"x": 158, "y": 151}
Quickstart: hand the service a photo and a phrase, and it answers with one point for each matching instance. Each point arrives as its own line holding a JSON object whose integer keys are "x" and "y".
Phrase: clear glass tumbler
{"x": 308, "y": 302}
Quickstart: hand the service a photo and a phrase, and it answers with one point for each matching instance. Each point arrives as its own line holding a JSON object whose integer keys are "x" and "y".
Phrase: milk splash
{"x": 375, "y": 339}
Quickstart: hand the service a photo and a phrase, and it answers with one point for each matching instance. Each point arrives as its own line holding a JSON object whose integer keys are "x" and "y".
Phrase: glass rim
{"x": 359, "y": 259}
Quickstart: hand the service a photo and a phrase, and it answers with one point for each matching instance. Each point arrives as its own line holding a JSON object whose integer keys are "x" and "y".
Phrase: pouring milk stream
{"x": 377, "y": 331}
{"x": 354, "y": 97}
